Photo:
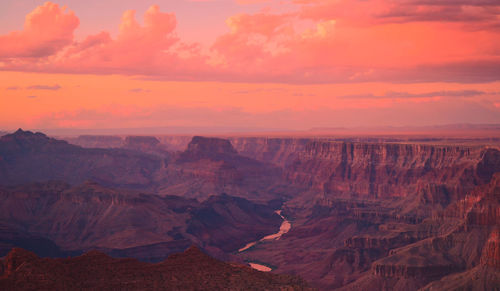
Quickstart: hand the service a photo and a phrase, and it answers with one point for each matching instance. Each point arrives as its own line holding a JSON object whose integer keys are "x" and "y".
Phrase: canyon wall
{"x": 278, "y": 151}
{"x": 145, "y": 226}
{"x": 96, "y": 141}
{"x": 437, "y": 173}
{"x": 365, "y": 214}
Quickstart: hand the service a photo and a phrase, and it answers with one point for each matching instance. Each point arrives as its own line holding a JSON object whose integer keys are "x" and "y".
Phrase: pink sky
{"x": 248, "y": 64}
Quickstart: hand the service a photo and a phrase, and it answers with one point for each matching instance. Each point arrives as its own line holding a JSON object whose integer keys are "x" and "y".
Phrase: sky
{"x": 268, "y": 65}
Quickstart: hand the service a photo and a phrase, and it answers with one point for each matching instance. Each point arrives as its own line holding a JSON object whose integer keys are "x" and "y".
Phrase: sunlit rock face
{"x": 279, "y": 151}
{"x": 439, "y": 173}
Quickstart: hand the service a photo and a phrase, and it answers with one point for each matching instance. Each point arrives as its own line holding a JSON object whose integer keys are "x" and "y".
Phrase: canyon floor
{"x": 347, "y": 212}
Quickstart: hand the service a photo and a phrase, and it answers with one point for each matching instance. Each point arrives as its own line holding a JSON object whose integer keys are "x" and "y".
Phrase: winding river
{"x": 284, "y": 228}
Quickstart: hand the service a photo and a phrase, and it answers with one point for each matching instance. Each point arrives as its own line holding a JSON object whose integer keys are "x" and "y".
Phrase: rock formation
{"x": 366, "y": 212}
{"x": 31, "y": 157}
{"x": 124, "y": 222}
{"x": 96, "y": 141}
{"x": 190, "y": 270}
{"x": 439, "y": 173}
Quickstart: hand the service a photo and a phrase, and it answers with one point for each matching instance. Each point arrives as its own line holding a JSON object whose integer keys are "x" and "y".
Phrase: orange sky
{"x": 276, "y": 64}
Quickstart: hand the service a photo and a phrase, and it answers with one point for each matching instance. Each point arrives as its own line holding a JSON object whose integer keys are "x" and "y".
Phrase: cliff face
{"x": 146, "y": 144}
{"x": 212, "y": 165}
{"x": 138, "y": 224}
{"x": 466, "y": 241}
{"x": 360, "y": 226}
{"x": 491, "y": 251}
{"x": 207, "y": 148}
{"x": 278, "y": 151}
{"x": 175, "y": 142}
{"x": 439, "y": 173}
{"x": 208, "y": 166}
{"x": 365, "y": 215}
{"x": 96, "y": 141}
{"x": 210, "y": 221}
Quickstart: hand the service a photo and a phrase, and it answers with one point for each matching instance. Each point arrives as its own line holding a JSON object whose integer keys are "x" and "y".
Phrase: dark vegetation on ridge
{"x": 189, "y": 270}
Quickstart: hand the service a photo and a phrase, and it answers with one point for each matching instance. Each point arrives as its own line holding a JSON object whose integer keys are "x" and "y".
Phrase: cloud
{"x": 44, "y": 87}
{"x": 47, "y": 29}
{"x": 12, "y": 88}
{"x": 480, "y": 13}
{"x": 150, "y": 49}
{"x": 467, "y": 12}
{"x": 394, "y": 95}
{"x": 139, "y": 90}
{"x": 31, "y": 96}
{"x": 322, "y": 41}
{"x": 262, "y": 90}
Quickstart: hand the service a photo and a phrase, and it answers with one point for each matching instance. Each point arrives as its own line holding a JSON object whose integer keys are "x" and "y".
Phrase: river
{"x": 284, "y": 228}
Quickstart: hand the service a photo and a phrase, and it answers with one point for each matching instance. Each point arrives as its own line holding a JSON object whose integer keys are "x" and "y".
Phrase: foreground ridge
{"x": 190, "y": 270}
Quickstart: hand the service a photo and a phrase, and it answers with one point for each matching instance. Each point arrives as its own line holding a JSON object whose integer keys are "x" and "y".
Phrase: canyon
{"x": 367, "y": 213}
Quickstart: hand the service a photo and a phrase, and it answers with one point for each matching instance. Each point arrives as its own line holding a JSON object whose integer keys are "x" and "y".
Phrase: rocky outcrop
{"x": 175, "y": 143}
{"x": 222, "y": 218}
{"x": 30, "y": 157}
{"x": 452, "y": 192}
{"x": 146, "y": 144}
{"x": 212, "y": 165}
{"x": 278, "y": 151}
{"x": 190, "y": 270}
{"x": 207, "y": 148}
{"x": 491, "y": 251}
{"x": 438, "y": 173}
{"x": 208, "y": 166}
{"x": 384, "y": 241}
{"x": 140, "y": 225}
{"x": 365, "y": 215}
{"x": 409, "y": 271}
{"x": 478, "y": 278}
{"x": 465, "y": 246}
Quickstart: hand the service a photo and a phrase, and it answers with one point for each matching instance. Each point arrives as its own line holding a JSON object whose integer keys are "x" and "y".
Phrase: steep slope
{"x": 11, "y": 236}
{"x": 29, "y": 157}
{"x": 388, "y": 216}
{"x": 221, "y": 219}
{"x": 146, "y": 226}
{"x": 278, "y": 151}
{"x": 145, "y": 144}
{"x": 464, "y": 251}
{"x": 208, "y": 166}
{"x": 212, "y": 165}
{"x": 364, "y": 215}
{"x": 440, "y": 174}
{"x": 175, "y": 143}
{"x": 96, "y": 141}
{"x": 190, "y": 270}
